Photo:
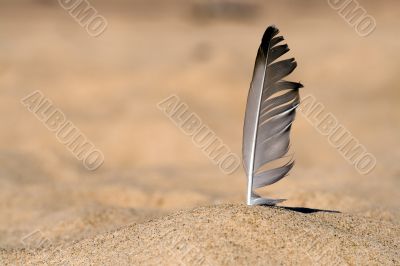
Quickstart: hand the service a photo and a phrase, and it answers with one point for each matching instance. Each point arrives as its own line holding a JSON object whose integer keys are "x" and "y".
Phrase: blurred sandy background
{"x": 202, "y": 51}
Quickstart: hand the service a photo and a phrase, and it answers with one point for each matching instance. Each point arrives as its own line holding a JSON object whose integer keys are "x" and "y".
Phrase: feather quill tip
{"x": 258, "y": 200}
{"x": 265, "y": 202}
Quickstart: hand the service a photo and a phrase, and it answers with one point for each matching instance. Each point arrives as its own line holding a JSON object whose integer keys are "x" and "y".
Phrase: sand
{"x": 157, "y": 199}
{"x": 230, "y": 234}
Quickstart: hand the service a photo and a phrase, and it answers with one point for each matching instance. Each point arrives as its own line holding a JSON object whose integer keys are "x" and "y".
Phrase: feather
{"x": 270, "y": 111}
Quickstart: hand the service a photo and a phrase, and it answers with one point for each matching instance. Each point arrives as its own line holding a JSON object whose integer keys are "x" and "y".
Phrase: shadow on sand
{"x": 302, "y": 209}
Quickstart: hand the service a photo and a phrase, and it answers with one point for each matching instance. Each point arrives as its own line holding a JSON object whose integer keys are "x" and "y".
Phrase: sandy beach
{"x": 157, "y": 199}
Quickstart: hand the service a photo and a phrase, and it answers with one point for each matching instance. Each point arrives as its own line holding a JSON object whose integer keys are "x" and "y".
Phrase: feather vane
{"x": 270, "y": 112}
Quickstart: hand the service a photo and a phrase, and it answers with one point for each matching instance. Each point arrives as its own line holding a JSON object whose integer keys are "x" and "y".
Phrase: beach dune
{"x": 230, "y": 234}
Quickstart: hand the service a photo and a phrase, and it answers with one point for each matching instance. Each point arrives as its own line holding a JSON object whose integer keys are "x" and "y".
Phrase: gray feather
{"x": 269, "y": 116}
{"x": 271, "y": 176}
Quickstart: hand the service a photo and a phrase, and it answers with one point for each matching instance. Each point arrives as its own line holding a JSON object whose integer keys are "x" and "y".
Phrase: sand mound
{"x": 227, "y": 234}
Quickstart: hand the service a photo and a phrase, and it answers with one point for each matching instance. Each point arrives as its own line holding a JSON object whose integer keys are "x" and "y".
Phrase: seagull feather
{"x": 270, "y": 111}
